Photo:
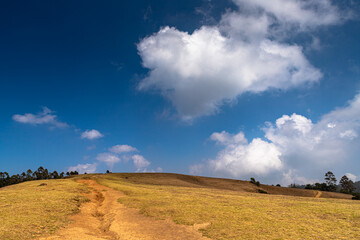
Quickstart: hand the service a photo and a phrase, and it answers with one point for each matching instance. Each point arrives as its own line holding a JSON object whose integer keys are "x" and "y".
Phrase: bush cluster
{"x": 356, "y": 196}
{"x": 262, "y": 191}
{"x": 253, "y": 181}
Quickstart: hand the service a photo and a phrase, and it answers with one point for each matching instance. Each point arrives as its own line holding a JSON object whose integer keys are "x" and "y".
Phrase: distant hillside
{"x": 180, "y": 180}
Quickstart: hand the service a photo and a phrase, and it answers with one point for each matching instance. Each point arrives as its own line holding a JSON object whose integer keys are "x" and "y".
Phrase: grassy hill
{"x": 234, "y": 209}
{"x": 34, "y": 208}
{"x": 180, "y": 180}
{"x": 227, "y": 209}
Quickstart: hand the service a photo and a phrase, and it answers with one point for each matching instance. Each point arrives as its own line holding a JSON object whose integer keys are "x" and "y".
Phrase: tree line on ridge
{"x": 40, "y": 174}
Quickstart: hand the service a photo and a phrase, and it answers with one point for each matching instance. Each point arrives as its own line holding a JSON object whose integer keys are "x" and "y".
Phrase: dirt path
{"x": 318, "y": 194}
{"x": 105, "y": 218}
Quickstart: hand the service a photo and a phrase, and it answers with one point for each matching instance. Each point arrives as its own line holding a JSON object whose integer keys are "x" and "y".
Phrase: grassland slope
{"x": 218, "y": 208}
{"x": 234, "y": 210}
{"x": 180, "y": 180}
{"x": 34, "y": 208}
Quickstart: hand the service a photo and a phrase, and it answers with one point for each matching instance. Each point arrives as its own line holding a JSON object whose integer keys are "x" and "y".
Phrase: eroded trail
{"x": 105, "y": 218}
{"x": 318, "y": 194}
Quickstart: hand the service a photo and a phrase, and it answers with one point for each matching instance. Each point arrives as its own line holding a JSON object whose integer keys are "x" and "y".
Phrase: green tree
{"x": 2, "y": 179}
{"x": 29, "y": 175}
{"x": 46, "y": 174}
{"x": 23, "y": 176}
{"x": 6, "y": 178}
{"x": 55, "y": 175}
{"x": 39, "y": 174}
{"x": 347, "y": 186}
{"x": 330, "y": 181}
{"x": 253, "y": 181}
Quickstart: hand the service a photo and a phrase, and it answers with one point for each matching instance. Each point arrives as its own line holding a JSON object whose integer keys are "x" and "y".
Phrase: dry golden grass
{"x": 179, "y": 180}
{"x": 228, "y": 209}
{"x": 237, "y": 214}
{"x": 28, "y": 210}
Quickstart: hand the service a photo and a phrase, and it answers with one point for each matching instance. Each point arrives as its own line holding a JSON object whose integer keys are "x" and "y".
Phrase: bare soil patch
{"x": 318, "y": 194}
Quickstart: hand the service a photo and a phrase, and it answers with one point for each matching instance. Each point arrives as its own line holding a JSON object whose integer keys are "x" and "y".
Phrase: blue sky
{"x": 237, "y": 89}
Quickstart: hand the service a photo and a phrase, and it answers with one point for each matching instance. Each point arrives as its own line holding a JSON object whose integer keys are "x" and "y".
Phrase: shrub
{"x": 253, "y": 181}
{"x": 262, "y": 191}
{"x": 356, "y": 196}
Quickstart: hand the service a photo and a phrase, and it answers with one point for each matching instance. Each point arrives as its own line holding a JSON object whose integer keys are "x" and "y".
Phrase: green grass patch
{"x": 34, "y": 208}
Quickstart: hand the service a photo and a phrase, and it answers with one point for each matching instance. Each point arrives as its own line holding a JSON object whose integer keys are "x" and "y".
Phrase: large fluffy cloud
{"x": 331, "y": 140}
{"x": 258, "y": 157}
{"x": 294, "y": 148}
{"x": 45, "y": 117}
{"x": 245, "y": 52}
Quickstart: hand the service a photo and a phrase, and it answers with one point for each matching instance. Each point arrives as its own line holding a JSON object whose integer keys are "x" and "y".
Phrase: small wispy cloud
{"x": 140, "y": 162}
{"x": 109, "y": 158}
{"x": 91, "y": 134}
{"x": 118, "y": 66}
{"x": 122, "y": 149}
{"x": 91, "y": 147}
{"x": 124, "y": 153}
{"x": 46, "y": 117}
{"x": 351, "y": 176}
{"x": 148, "y": 13}
{"x": 118, "y": 154}
{"x": 84, "y": 168}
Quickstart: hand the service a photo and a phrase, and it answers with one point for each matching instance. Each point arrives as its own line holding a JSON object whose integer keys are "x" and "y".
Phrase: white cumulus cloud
{"x": 301, "y": 13}
{"x": 351, "y": 176}
{"x": 45, "y": 117}
{"x": 108, "y": 158}
{"x": 91, "y": 134}
{"x": 84, "y": 168}
{"x": 140, "y": 162}
{"x": 225, "y": 138}
{"x": 294, "y": 147}
{"x": 241, "y": 158}
{"x": 122, "y": 149}
{"x": 331, "y": 140}
{"x": 245, "y": 52}
{"x": 124, "y": 154}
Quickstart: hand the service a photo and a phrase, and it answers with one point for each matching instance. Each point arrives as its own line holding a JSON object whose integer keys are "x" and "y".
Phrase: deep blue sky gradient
{"x": 79, "y": 58}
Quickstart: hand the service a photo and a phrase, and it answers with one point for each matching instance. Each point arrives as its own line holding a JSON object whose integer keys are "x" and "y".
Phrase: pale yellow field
{"x": 28, "y": 210}
{"x": 239, "y": 214}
